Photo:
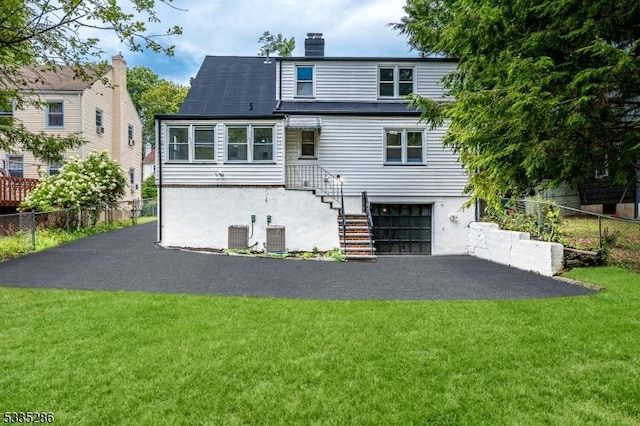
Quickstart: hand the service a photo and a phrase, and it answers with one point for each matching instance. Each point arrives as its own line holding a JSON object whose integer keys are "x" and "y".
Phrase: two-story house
{"x": 268, "y": 153}
{"x": 100, "y": 109}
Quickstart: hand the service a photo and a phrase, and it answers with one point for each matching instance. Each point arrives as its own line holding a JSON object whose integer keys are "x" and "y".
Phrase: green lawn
{"x": 97, "y": 358}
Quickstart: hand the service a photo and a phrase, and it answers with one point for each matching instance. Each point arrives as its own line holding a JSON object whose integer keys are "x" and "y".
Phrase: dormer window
{"x": 304, "y": 81}
{"x": 395, "y": 81}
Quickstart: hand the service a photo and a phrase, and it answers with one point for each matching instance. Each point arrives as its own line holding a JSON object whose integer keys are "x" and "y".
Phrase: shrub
{"x": 93, "y": 183}
{"x": 149, "y": 188}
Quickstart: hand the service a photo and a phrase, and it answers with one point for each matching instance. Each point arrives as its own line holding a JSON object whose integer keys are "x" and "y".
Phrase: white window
{"x": 308, "y": 144}
{"x": 99, "y": 121}
{"x": 304, "y": 81}
{"x": 250, "y": 144}
{"x": 131, "y": 135}
{"x": 203, "y": 143}
{"x": 6, "y": 111}
{"x": 178, "y": 144}
{"x": 54, "y": 169}
{"x": 395, "y": 81}
{"x": 15, "y": 165}
{"x": 55, "y": 114}
{"x": 404, "y": 146}
{"x": 192, "y": 143}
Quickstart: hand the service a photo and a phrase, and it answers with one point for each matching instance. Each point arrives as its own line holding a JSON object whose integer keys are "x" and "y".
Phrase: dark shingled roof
{"x": 63, "y": 79}
{"x": 347, "y": 108}
{"x": 228, "y": 86}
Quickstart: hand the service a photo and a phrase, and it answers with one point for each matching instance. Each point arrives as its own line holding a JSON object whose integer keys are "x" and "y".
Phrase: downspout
{"x": 80, "y": 122}
{"x": 279, "y": 71}
{"x": 159, "y": 157}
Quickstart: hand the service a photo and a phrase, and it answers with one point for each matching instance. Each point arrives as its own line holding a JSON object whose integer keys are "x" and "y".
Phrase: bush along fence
{"x": 587, "y": 237}
{"x": 26, "y": 224}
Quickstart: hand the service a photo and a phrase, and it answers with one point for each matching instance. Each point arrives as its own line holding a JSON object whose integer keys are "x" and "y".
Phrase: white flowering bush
{"x": 93, "y": 183}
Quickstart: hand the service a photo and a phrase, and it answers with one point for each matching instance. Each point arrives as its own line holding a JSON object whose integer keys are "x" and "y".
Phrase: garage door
{"x": 402, "y": 228}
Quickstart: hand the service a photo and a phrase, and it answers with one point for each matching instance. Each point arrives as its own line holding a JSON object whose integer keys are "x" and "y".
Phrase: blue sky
{"x": 233, "y": 27}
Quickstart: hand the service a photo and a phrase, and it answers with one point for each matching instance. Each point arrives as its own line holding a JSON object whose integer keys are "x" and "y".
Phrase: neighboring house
{"x": 148, "y": 162}
{"x": 598, "y": 195}
{"x": 263, "y": 147}
{"x": 102, "y": 113}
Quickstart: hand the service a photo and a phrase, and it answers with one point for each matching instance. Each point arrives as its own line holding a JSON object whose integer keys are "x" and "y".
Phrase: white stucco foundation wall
{"x": 199, "y": 217}
{"x": 515, "y": 249}
{"x": 450, "y": 222}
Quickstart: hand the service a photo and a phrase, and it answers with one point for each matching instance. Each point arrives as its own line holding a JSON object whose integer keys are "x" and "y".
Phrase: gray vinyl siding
{"x": 358, "y": 80}
{"x": 204, "y": 173}
{"x": 353, "y": 147}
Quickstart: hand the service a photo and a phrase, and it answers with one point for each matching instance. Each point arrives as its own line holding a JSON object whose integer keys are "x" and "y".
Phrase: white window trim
{"x": 296, "y": 81}
{"x": 191, "y": 143}
{"x": 46, "y": 112}
{"x": 403, "y": 145}
{"x": 11, "y": 113}
{"x": 20, "y": 161}
{"x": 396, "y": 80}
{"x": 168, "y": 144}
{"x": 50, "y": 168}
{"x": 250, "y": 141}
{"x": 315, "y": 145}
{"x": 100, "y": 126}
{"x": 131, "y": 132}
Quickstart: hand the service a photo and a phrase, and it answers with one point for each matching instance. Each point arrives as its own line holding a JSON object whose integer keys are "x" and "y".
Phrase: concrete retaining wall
{"x": 514, "y": 249}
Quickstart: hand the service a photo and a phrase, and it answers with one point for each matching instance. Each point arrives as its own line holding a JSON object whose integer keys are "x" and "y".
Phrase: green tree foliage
{"x": 153, "y": 95}
{"x": 93, "y": 183}
{"x": 149, "y": 188}
{"x": 41, "y": 35}
{"x": 545, "y": 92}
{"x": 276, "y": 44}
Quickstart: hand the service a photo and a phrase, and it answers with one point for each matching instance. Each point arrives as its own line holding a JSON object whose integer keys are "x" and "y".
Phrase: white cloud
{"x": 216, "y": 27}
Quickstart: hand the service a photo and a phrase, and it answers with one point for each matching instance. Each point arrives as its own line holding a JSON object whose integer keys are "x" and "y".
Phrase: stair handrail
{"x": 366, "y": 209}
{"x": 312, "y": 176}
{"x": 343, "y": 213}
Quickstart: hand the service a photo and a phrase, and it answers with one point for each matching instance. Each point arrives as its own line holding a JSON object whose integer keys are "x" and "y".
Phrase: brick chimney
{"x": 119, "y": 66}
{"x": 314, "y": 45}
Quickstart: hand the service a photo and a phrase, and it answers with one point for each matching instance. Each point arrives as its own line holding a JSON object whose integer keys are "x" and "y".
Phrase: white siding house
{"x": 99, "y": 109}
{"x": 294, "y": 143}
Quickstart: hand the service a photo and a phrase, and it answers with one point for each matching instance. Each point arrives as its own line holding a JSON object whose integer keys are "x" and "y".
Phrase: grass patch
{"x": 133, "y": 358}
{"x": 21, "y": 243}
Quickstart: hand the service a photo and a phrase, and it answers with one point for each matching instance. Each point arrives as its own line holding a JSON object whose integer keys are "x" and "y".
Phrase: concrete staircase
{"x": 356, "y": 242}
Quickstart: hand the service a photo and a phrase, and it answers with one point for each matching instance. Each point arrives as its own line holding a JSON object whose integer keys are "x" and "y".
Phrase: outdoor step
{"x": 361, "y": 258}
{"x": 360, "y": 250}
{"x": 356, "y": 240}
{"x": 356, "y": 228}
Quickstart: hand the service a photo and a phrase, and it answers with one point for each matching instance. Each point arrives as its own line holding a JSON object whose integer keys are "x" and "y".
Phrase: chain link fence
{"x": 25, "y": 225}
{"x": 606, "y": 238}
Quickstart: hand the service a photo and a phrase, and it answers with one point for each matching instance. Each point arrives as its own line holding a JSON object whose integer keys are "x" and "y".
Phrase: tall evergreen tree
{"x": 545, "y": 91}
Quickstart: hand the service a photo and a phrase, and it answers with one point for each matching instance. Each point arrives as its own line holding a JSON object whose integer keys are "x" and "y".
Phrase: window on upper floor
{"x": 6, "y": 112}
{"x": 192, "y": 143}
{"x": 55, "y": 114}
{"x": 250, "y": 144}
{"x": 304, "y": 81}
{"x": 15, "y": 165}
{"x": 395, "y": 81}
{"x": 131, "y": 134}
{"x": 99, "y": 121}
{"x": 403, "y": 146}
{"x": 308, "y": 144}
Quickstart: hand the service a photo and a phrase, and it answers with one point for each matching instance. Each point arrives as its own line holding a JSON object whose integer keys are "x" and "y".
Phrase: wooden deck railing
{"x": 13, "y": 190}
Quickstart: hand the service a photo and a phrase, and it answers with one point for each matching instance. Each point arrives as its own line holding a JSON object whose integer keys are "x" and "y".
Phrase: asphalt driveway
{"x": 127, "y": 259}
